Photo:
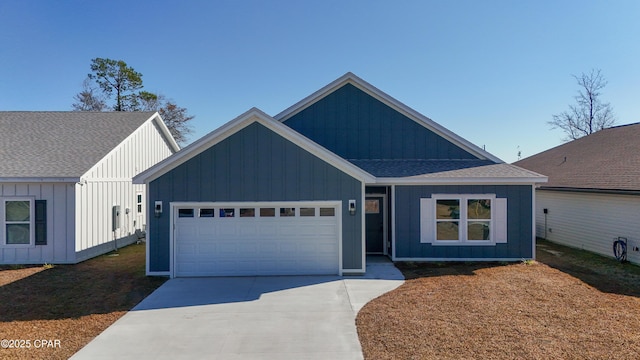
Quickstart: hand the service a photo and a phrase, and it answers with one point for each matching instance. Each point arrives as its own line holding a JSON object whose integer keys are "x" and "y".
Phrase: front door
{"x": 374, "y": 213}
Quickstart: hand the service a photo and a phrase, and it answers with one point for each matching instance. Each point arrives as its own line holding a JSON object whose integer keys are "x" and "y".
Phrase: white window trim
{"x": 3, "y": 221}
{"x": 139, "y": 203}
{"x": 463, "y": 221}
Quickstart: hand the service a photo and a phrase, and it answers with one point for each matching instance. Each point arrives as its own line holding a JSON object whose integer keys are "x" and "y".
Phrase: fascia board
{"x": 389, "y": 101}
{"x": 165, "y": 131}
{"x": 317, "y": 150}
{"x": 462, "y": 181}
{"x": 163, "y": 128}
{"x": 39, "y": 179}
{"x": 237, "y": 124}
{"x": 194, "y": 148}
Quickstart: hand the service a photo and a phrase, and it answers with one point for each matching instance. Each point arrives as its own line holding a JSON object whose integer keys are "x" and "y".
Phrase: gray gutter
{"x": 40, "y": 179}
{"x": 590, "y": 190}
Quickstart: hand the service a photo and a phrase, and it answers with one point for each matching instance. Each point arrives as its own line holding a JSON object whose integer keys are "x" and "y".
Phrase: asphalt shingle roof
{"x": 607, "y": 160}
{"x": 60, "y": 144}
{"x": 431, "y": 169}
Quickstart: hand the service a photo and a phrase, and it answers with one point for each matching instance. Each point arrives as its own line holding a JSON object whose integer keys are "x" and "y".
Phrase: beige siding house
{"x": 65, "y": 182}
{"x": 593, "y": 193}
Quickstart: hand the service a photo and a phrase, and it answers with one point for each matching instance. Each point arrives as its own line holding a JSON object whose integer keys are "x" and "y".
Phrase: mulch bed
{"x": 69, "y": 303}
{"x": 570, "y": 304}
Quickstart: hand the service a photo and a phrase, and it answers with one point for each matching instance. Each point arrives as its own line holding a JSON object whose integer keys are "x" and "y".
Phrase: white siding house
{"x": 593, "y": 193}
{"x": 589, "y": 221}
{"x": 63, "y": 176}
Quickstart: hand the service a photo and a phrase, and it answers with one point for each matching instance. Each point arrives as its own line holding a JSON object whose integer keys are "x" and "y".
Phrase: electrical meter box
{"x": 115, "y": 218}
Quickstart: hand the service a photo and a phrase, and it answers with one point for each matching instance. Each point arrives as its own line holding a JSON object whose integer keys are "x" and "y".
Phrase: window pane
{"x": 18, "y": 234}
{"x": 478, "y": 230}
{"x": 248, "y": 212}
{"x": 226, "y": 212}
{"x": 207, "y": 212}
{"x": 479, "y": 209}
{"x": 307, "y": 211}
{"x": 287, "y": 212}
{"x": 17, "y": 210}
{"x": 372, "y": 206}
{"x": 185, "y": 212}
{"x": 267, "y": 212}
{"x": 448, "y": 209}
{"x": 447, "y": 230}
{"x": 139, "y": 198}
{"x": 327, "y": 212}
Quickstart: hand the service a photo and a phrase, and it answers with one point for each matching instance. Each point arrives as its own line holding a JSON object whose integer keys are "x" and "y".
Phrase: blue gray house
{"x": 347, "y": 171}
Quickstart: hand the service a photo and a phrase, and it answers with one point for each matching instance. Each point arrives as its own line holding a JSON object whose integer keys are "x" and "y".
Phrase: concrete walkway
{"x": 277, "y": 317}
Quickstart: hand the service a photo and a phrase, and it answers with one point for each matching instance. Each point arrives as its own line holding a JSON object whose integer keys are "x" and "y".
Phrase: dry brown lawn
{"x": 69, "y": 303}
{"x": 570, "y": 304}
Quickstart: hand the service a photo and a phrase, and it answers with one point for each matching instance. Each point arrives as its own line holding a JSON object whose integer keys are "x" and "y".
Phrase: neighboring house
{"x": 65, "y": 182}
{"x": 347, "y": 171}
{"x": 593, "y": 193}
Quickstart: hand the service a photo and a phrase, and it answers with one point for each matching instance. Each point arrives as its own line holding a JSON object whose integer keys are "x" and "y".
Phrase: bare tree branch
{"x": 87, "y": 99}
{"x": 589, "y": 114}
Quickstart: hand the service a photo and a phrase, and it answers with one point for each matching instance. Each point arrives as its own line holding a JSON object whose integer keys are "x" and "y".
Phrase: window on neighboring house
{"x": 17, "y": 217}
{"x": 478, "y": 219}
{"x": 139, "y": 203}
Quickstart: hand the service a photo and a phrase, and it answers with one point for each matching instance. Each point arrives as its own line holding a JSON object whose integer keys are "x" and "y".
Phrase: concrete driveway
{"x": 278, "y": 317}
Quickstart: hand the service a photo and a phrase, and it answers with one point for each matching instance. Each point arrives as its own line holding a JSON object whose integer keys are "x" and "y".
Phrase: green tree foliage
{"x": 116, "y": 76}
{"x": 121, "y": 85}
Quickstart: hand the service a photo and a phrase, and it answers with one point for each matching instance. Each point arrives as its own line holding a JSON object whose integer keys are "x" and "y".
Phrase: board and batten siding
{"x": 109, "y": 183}
{"x": 60, "y": 199}
{"x": 520, "y": 239}
{"x": 355, "y": 125}
{"x": 254, "y": 164}
{"x": 589, "y": 221}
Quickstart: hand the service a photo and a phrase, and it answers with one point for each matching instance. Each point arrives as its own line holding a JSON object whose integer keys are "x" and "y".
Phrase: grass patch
{"x": 568, "y": 304}
{"x": 70, "y": 303}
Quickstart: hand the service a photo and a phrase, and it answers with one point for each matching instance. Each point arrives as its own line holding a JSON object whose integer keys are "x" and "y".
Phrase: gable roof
{"x": 350, "y": 78}
{"x": 249, "y": 117}
{"x": 605, "y": 160}
{"x": 62, "y": 144}
{"x": 446, "y": 171}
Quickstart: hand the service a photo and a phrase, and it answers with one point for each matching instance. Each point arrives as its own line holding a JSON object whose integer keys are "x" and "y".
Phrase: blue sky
{"x": 494, "y": 72}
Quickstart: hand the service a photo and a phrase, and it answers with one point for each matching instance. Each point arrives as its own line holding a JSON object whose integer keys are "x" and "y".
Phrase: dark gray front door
{"x": 374, "y": 220}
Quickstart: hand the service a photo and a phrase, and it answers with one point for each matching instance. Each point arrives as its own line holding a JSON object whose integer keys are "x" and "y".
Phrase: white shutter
{"x": 500, "y": 235}
{"x": 427, "y": 221}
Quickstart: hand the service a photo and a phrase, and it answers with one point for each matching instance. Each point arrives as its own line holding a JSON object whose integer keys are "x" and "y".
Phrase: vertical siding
{"x": 109, "y": 183}
{"x": 355, "y": 125}
{"x": 254, "y": 164}
{"x": 519, "y": 223}
{"x": 589, "y": 221}
{"x": 60, "y": 236}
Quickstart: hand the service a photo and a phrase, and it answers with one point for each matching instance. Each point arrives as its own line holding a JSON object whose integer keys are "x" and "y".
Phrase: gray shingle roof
{"x": 60, "y": 144}
{"x": 433, "y": 169}
{"x": 605, "y": 160}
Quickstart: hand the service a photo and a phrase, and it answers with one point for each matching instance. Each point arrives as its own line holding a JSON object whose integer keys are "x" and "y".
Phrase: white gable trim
{"x": 350, "y": 78}
{"x": 163, "y": 129}
{"x": 461, "y": 181}
{"x": 239, "y": 123}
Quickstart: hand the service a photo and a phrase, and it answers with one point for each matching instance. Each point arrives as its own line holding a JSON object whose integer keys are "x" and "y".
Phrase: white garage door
{"x": 234, "y": 239}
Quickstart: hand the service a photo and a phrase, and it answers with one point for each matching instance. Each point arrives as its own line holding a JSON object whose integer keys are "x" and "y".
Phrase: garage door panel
{"x": 259, "y": 245}
{"x": 206, "y": 231}
{"x": 186, "y": 249}
{"x": 268, "y": 228}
